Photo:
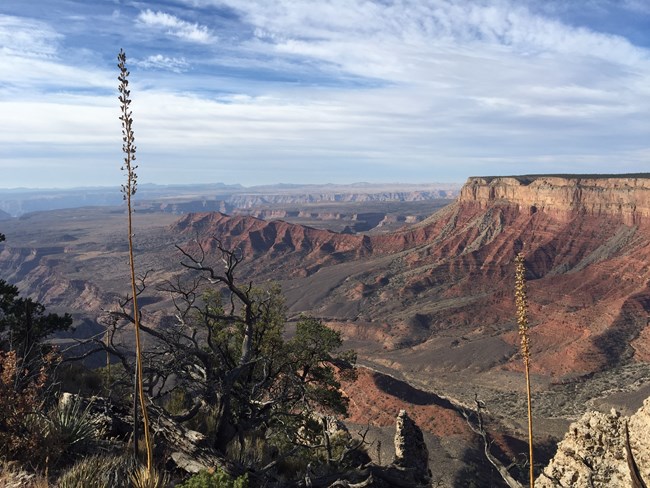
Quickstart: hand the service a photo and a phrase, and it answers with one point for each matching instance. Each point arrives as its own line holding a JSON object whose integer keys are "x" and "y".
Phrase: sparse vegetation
{"x": 13, "y": 475}
{"x": 24, "y": 325}
{"x": 22, "y": 396}
{"x": 216, "y": 479}
{"x": 237, "y": 378}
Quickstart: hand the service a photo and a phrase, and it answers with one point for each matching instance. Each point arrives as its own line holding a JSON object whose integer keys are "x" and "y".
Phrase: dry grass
{"x": 13, "y": 476}
{"x": 143, "y": 477}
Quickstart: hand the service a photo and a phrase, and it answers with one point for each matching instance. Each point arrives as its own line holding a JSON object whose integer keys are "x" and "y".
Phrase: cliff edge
{"x": 627, "y": 196}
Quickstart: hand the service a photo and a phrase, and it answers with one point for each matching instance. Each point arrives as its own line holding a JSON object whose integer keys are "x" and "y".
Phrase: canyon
{"x": 429, "y": 304}
{"x": 183, "y": 198}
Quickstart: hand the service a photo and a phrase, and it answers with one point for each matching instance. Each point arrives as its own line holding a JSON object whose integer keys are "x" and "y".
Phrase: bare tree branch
{"x": 479, "y": 429}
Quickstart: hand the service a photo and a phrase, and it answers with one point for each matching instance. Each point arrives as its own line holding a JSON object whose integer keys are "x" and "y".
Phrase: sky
{"x": 317, "y": 91}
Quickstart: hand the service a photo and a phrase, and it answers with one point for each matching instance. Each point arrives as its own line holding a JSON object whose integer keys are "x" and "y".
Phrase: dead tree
{"x": 478, "y": 427}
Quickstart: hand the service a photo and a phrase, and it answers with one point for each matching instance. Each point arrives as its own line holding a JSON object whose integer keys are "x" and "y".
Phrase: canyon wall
{"x": 627, "y": 196}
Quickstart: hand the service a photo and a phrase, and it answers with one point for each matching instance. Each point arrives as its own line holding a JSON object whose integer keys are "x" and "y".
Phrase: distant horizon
{"x": 235, "y": 185}
{"x": 302, "y": 91}
{"x": 351, "y": 184}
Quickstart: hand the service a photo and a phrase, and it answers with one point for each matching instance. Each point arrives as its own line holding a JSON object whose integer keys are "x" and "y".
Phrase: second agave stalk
{"x": 521, "y": 301}
{"x": 128, "y": 191}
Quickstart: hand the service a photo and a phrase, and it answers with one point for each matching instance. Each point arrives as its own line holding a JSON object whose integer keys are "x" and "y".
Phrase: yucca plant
{"x": 128, "y": 190}
{"x": 71, "y": 426}
{"x": 521, "y": 300}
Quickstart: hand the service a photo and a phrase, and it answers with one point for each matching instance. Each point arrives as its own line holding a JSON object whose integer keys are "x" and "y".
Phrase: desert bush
{"x": 21, "y": 398}
{"x": 216, "y": 479}
{"x": 107, "y": 471}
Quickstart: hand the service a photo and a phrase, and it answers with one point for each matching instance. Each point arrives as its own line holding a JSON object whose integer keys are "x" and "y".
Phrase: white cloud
{"x": 187, "y": 31}
{"x": 423, "y": 86}
{"x": 29, "y": 77}
{"x": 335, "y": 30}
{"x": 68, "y": 119}
{"x": 471, "y": 59}
{"x": 162, "y": 62}
{"x": 27, "y": 37}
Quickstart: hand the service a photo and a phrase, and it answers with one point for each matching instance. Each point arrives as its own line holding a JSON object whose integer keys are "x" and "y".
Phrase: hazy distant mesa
{"x": 219, "y": 196}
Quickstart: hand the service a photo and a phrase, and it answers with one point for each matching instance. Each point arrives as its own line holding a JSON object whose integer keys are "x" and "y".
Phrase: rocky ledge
{"x": 602, "y": 451}
{"x": 625, "y": 195}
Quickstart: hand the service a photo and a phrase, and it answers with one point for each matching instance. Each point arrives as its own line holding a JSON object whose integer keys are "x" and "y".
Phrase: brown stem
{"x": 129, "y": 189}
{"x": 136, "y": 316}
{"x": 530, "y": 427}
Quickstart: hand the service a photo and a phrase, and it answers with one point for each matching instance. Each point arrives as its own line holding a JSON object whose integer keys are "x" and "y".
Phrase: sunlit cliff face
{"x": 627, "y": 197}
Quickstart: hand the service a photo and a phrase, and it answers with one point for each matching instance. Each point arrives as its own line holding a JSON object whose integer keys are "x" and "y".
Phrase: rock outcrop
{"x": 411, "y": 452}
{"x": 597, "y": 452}
{"x": 626, "y": 196}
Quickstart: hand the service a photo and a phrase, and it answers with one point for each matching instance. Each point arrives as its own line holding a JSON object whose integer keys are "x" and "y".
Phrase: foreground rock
{"x": 602, "y": 451}
{"x": 410, "y": 469}
{"x": 410, "y": 450}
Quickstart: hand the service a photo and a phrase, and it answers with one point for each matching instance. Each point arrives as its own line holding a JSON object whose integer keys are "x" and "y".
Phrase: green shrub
{"x": 217, "y": 479}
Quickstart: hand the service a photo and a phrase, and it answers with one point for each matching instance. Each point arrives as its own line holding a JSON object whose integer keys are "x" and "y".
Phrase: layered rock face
{"x": 625, "y": 196}
{"x": 586, "y": 243}
{"x": 595, "y": 453}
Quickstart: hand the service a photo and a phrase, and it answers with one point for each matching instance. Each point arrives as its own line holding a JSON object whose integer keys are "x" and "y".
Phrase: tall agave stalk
{"x": 128, "y": 190}
{"x": 521, "y": 300}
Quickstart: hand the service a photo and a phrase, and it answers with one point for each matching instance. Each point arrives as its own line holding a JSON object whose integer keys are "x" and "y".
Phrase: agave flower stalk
{"x": 128, "y": 190}
{"x": 521, "y": 301}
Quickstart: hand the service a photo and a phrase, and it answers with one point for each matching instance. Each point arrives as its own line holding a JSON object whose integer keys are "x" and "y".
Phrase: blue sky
{"x": 298, "y": 91}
